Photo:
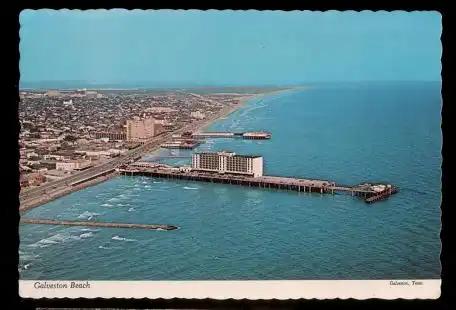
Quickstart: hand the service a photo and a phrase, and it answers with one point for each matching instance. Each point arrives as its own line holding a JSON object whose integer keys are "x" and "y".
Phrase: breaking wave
{"x": 86, "y": 235}
{"x": 27, "y": 257}
{"x": 108, "y": 247}
{"x": 191, "y": 188}
{"x": 88, "y": 215}
{"x": 122, "y": 239}
{"x": 89, "y": 229}
{"x": 56, "y": 239}
{"x": 25, "y": 267}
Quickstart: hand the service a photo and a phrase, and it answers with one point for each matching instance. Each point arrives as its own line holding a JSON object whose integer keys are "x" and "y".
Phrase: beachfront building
{"x": 142, "y": 130}
{"x": 228, "y": 162}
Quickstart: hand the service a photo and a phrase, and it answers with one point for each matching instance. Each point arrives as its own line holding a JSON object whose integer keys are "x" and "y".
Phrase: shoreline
{"x": 243, "y": 101}
{"x": 39, "y": 201}
{"x": 223, "y": 113}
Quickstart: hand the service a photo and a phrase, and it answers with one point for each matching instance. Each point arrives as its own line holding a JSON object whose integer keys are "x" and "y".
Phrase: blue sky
{"x": 229, "y": 47}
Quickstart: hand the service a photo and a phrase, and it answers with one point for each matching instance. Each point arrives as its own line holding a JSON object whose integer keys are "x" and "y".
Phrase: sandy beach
{"x": 243, "y": 100}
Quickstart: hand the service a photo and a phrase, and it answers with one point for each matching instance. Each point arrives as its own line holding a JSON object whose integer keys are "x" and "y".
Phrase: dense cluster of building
{"x": 67, "y": 131}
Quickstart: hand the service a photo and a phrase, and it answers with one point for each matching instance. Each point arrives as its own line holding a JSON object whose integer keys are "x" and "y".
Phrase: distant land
{"x": 194, "y": 87}
{"x": 118, "y": 88}
{"x": 71, "y": 85}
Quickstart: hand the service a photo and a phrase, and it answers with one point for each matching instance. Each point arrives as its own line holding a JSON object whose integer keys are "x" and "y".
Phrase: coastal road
{"x": 114, "y": 163}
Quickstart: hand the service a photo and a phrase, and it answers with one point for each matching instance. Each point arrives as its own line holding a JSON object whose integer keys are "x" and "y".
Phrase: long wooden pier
{"x": 98, "y": 224}
{"x": 370, "y": 193}
{"x": 260, "y": 135}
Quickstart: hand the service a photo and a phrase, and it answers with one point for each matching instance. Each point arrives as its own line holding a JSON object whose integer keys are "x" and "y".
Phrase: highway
{"x": 152, "y": 145}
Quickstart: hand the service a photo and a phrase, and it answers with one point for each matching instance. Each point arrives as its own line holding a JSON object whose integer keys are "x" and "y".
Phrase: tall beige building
{"x": 142, "y": 130}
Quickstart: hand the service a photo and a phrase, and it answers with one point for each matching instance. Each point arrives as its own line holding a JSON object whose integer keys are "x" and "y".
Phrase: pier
{"x": 98, "y": 224}
{"x": 244, "y": 135}
{"x": 370, "y": 193}
{"x": 182, "y": 144}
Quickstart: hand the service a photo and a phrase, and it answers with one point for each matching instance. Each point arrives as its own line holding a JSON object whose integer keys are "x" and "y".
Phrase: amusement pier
{"x": 190, "y": 140}
{"x": 247, "y": 170}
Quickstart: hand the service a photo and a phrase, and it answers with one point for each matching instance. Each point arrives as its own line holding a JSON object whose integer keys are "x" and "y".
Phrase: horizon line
{"x": 118, "y": 85}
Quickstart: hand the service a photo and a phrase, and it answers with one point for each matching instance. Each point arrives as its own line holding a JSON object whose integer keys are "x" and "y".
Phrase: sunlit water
{"x": 345, "y": 133}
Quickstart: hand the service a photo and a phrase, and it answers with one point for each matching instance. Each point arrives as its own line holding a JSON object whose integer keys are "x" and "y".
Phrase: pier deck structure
{"x": 243, "y": 135}
{"x": 368, "y": 192}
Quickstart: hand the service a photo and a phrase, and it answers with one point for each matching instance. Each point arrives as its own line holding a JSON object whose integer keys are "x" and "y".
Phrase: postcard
{"x": 230, "y": 154}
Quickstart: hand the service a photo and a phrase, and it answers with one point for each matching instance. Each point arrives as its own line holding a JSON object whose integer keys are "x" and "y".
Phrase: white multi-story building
{"x": 228, "y": 162}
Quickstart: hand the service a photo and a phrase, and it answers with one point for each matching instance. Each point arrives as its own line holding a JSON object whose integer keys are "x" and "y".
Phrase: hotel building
{"x": 228, "y": 162}
{"x": 142, "y": 130}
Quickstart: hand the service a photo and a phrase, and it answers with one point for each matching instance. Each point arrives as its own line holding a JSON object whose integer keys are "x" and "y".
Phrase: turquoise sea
{"x": 347, "y": 133}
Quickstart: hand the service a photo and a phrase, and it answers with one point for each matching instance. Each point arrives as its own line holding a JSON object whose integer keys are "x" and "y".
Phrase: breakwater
{"x": 98, "y": 224}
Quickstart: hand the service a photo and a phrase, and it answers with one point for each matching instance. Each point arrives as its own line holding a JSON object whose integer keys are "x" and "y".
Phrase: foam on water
{"x": 117, "y": 238}
{"x": 109, "y": 247}
{"x": 28, "y": 257}
{"x": 53, "y": 240}
{"x": 88, "y": 215}
{"x": 86, "y": 235}
{"x": 89, "y": 229}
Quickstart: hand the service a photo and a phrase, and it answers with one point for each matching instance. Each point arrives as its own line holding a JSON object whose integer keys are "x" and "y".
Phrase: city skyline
{"x": 227, "y": 48}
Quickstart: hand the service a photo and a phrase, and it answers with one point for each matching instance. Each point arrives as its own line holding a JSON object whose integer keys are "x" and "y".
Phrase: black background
{"x": 10, "y": 169}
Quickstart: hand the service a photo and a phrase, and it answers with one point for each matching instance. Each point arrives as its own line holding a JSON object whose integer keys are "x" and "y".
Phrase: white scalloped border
{"x": 222, "y": 290}
{"x": 252, "y": 290}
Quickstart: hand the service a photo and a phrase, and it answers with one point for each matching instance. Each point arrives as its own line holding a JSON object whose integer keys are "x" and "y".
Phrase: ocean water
{"x": 349, "y": 134}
